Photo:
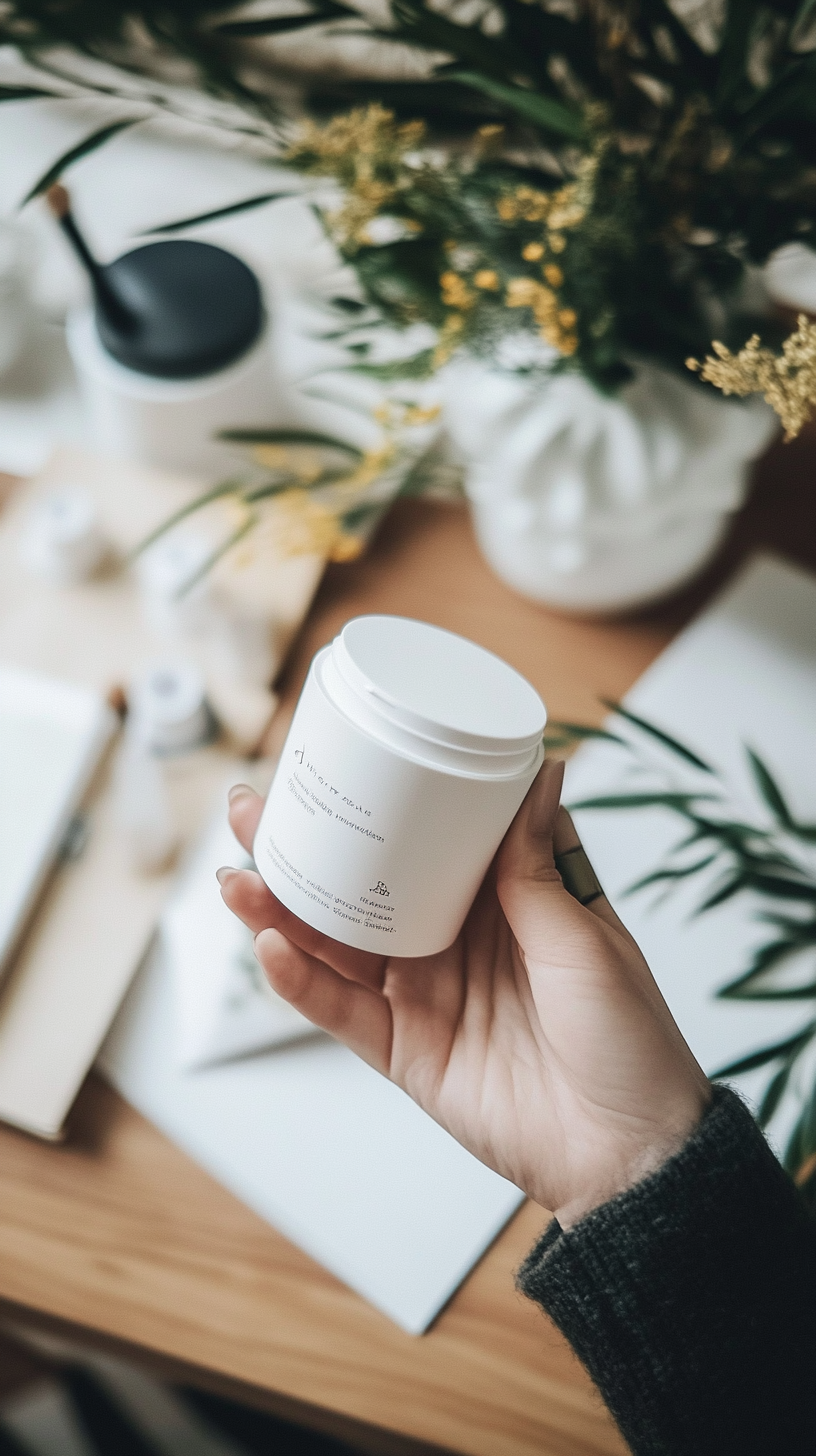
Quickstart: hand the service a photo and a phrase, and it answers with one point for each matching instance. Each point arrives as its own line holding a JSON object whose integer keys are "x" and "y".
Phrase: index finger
{"x": 245, "y": 810}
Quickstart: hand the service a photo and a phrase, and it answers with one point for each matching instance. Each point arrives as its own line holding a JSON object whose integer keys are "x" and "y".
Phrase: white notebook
{"x": 52, "y": 736}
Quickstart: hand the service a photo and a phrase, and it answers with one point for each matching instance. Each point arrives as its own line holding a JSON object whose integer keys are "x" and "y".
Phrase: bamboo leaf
{"x": 234, "y": 207}
{"x": 783, "y": 888}
{"x": 289, "y": 437}
{"x": 547, "y": 113}
{"x": 790, "y": 1047}
{"x": 766, "y": 958}
{"x": 785, "y": 993}
{"x": 802, "y": 1142}
{"x": 660, "y": 734}
{"x": 430, "y": 29}
{"x": 82, "y": 149}
{"x": 656, "y": 800}
{"x": 773, "y": 1094}
{"x": 805, "y": 9}
{"x": 577, "y": 732}
{"x": 277, "y": 24}
{"x": 361, "y": 514}
{"x": 674, "y": 872}
{"x": 727, "y": 891}
{"x": 419, "y": 366}
{"x": 769, "y": 789}
{"x": 740, "y": 20}
{"x": 24, "y": 93}
{"x": 215, "y": 556}
{"x": 225, "y": 487}
{"x": 805, "y": 832}
{"x": 279, "y": 487}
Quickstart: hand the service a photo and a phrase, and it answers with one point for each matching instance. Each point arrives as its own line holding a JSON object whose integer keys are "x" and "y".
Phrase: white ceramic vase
{"x": 597, "y": 503}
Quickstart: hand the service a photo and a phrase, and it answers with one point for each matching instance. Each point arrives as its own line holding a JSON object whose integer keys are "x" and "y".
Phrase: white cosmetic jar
{"x": 409, "y": 753}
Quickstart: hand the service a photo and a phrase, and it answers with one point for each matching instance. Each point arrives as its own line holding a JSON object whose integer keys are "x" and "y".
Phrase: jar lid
{"x": 438, "y": 686}
{"x": 187, "y": 309}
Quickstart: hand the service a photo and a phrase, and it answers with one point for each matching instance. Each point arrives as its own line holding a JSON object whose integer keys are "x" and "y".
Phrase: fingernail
{"x": 225, "y": 874}
{"x": 237, "y": 791}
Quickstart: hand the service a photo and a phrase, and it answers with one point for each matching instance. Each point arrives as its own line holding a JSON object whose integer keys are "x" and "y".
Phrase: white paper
{"x": 744, "y": 673}
{"x": 336, "y": 1157}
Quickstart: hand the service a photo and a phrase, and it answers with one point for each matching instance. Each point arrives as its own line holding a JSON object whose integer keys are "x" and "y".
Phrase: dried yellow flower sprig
{"x": 787, "y": 380}
{"x": 394, "y": 190}
{"x": 366, "y": 150}
{"x": 560, "y": 212}
{"x": 556, "y": 325}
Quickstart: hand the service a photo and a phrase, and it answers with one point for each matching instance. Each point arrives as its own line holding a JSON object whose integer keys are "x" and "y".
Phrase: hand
{"x": 539, "y": 1039}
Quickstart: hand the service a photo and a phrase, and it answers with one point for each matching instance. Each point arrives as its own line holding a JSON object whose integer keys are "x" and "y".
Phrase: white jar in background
{"x": 62, "y": 539}
{"x": 409, "y": 753}
{"x": 170, "y": 423}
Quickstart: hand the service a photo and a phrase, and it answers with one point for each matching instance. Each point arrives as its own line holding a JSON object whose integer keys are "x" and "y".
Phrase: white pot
{"x": 599, "y": 503}
{"x": 170, "y": 423}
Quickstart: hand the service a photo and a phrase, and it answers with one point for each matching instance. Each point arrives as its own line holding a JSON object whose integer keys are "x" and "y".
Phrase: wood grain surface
{"x": 117, "y": 1237}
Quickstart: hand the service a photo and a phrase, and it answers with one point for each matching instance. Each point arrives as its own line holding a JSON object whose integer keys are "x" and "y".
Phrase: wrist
{"x": 630, "y": 1160}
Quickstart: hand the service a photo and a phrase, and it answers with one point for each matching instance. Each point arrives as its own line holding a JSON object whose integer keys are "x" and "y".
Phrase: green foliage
{"x": 770, "y": 862}
{"x": 331, "y": 491}
{"x": 82, "y": 149}
{"x": 701, "y": 160}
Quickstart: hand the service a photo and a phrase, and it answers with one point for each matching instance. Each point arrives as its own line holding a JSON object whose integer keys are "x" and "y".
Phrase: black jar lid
{"x": 178, "y": 309}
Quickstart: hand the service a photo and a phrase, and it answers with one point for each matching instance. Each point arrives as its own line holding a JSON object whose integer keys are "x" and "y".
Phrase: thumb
{"x": 540, "y": 910}
{"x": 527, "y": 850}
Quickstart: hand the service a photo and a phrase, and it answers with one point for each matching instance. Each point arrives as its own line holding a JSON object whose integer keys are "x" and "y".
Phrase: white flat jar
{"x": 409, "y": 752}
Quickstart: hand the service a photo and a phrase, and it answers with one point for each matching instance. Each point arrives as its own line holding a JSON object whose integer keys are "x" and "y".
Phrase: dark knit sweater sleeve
{"x": 691, "y": 1298}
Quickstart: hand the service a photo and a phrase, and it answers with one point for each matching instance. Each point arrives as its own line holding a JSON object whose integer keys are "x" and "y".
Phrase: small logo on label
{"x": 299, "y": 753}
{"x": 380, "y": 888}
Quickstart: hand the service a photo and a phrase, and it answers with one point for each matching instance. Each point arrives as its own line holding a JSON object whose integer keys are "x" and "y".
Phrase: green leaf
{"x": 740, "y": 20}
{"x": 215, "y": 556}
{"x": 362, "y": 514}
{"x": 785, "y": 993}
{"x": 418, "y": 366}
{"x": 429, "y": 29}
{"x": 802, "y": 1142}
{"x": 641, "y": 801}
{"x": 552, "y": 115}
{"x": 24, "y": 93}
{"x": 769, "y": 789}
{"x": 225, "y": 487}
{"x": 805, "y": 10}
{"x": 234, "y": 207}
{"x": 765, "y": 959}
{"x": 780, "y": 887}
{"x": 82, "y": 149}
{"x": 577, "y": 732}
{"x": 671, "y": 873}
{"x": 277, "y": 24}
{"x": 288, "y": 437}
{"x": 662, "y": 737}
{"x": 727, "y": 891}
{"x": 773, "y": 1094}
{"x": 790, "y": 1047}
{"x": 279, "y": 487}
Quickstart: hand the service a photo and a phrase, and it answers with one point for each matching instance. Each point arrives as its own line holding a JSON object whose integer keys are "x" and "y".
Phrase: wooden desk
{"x": 117, "y": 1238}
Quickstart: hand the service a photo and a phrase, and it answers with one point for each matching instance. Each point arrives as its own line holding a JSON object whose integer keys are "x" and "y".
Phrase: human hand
{"x": 539, "y": 1039}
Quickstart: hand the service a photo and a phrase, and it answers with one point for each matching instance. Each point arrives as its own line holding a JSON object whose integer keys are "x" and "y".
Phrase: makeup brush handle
{"x": 119, "y": 314}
